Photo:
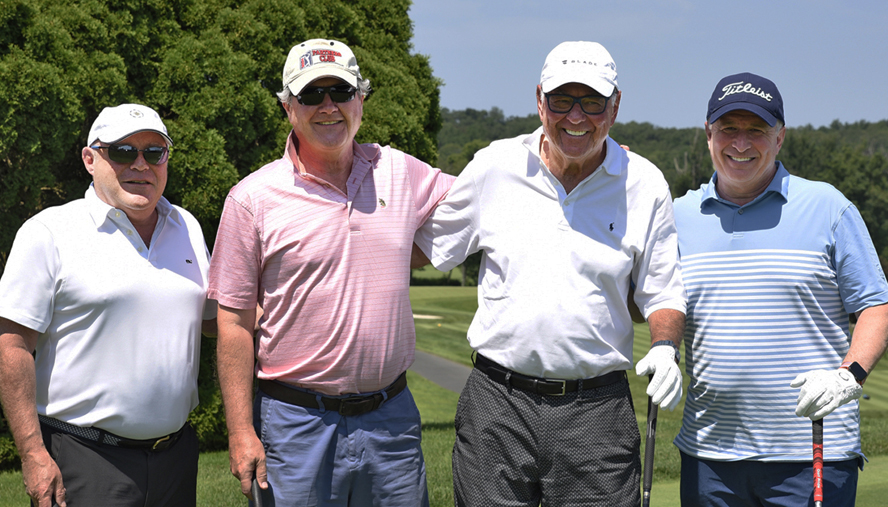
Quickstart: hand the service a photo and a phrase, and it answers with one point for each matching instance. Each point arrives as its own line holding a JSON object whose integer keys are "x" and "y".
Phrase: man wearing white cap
{"x": 109, "y": 293}
{"x": 321, "y": 239}
{"x": 567, "y": 221}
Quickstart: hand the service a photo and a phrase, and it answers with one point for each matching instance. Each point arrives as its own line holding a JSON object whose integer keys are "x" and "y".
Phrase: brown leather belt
{"x": 350, "y": 406}
{"x": 546, "y": 386}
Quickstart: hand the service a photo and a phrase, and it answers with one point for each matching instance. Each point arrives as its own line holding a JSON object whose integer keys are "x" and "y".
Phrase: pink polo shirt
{"x": 331, "y": 271}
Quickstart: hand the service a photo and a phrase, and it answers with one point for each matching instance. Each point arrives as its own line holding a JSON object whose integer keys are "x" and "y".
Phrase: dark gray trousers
{"x": 515, "y": 448}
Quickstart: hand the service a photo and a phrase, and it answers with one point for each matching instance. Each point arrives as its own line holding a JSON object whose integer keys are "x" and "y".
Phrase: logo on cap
{"x": 135, "y": 113}
{"x": 741, "y": 87}
{"x": 324, "y": 55}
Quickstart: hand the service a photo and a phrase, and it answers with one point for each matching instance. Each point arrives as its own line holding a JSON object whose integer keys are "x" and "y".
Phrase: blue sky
{"x": 828, "y": 58}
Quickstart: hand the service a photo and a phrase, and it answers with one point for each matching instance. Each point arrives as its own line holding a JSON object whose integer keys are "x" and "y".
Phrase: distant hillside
{"x": 851, "y": 156}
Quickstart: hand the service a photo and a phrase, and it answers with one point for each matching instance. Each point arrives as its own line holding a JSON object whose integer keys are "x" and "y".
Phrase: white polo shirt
{"x": 119, "y": 322}
{"x": 556, "y": 268}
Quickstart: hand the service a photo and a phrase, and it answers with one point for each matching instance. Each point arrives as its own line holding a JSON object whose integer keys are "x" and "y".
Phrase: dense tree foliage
{"x": 211, "y": 68}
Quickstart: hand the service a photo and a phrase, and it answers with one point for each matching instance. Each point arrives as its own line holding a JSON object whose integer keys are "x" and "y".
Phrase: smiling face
{"x": 744, "y": 151}
{"x": 328, "y": 127}
{"x": 576, "y": 137}
{"x": 133, "y": 188}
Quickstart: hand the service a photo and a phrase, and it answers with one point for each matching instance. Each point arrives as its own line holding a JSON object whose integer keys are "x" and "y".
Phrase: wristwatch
{"x": 859, "y": 373}
{"x": 674, "y": 347}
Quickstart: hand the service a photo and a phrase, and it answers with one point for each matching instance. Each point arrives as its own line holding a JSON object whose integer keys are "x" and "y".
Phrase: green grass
{"x": 217, "y": 488}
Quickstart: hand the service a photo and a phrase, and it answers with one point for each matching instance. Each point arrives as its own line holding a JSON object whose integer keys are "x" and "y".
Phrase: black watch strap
{"x": 859, "y": 373}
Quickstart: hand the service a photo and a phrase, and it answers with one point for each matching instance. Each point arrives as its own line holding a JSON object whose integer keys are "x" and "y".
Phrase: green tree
{"x": 211, "y": 69}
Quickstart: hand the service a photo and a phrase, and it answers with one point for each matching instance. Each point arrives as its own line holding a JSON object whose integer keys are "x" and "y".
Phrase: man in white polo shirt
{"x": 567, "y": 221}
{"x": 110, "y": 292}
{"x": 321, "y": 239}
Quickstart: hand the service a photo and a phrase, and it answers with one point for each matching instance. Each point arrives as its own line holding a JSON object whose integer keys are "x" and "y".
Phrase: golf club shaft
{"x": 649, "y": 443}
{"x": 817, "y": 432}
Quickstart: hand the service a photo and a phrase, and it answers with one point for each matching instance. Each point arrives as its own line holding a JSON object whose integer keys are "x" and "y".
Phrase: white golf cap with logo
{"x": 119, "y": 122}
{"x": 319, "y": 58}
{"x": 581, "y": 62}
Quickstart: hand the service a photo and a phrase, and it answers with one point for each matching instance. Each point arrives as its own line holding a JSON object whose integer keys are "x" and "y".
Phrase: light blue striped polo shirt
{"x": 770, "y": 286}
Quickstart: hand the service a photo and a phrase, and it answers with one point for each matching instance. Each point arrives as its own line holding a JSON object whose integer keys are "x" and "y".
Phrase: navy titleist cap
{"x": 746, "y": 92}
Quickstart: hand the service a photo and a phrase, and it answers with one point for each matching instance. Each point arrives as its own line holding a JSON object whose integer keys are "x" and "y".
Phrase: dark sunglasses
{"x": 314, "y": 95}
{"x": 125, "y": 154}
{"x": 590, "y": 104}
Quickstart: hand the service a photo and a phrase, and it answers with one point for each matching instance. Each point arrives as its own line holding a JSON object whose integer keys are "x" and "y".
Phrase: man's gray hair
{"x": 286, "y": 95}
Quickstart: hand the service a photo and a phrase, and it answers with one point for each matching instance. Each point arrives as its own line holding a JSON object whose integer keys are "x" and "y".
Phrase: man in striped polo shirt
{"x": 321, "y": 239}
{"x": 773, "y": 265}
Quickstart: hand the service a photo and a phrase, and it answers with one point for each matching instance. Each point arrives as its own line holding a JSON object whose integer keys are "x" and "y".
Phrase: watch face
{"x": 858, "y": 371}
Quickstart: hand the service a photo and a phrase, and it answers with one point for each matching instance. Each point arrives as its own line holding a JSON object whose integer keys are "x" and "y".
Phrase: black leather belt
{"x": 103, "y": 437}
{"x": 546, "y": 386}
{"x": 353, "y": 405}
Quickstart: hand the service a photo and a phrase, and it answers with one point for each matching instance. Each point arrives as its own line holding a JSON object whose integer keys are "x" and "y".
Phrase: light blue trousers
{"x": 321, "y": 458}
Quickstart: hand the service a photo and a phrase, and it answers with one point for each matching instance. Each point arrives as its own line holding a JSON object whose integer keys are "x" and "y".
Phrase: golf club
{"x": 257, "y": 493}
{"x": 649, "y": 442}
{"x": 817, "y": 430}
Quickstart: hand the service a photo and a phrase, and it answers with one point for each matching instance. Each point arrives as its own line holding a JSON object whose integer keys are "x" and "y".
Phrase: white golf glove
{"x": 665, "y": 388}
{"x": 824, "y": 391}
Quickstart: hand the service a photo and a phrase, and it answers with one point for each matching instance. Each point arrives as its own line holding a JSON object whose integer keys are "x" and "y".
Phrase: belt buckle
{"x": 563, "y": 387}
{"x": 355, "y": 406}
{"x": 159, "y": 441}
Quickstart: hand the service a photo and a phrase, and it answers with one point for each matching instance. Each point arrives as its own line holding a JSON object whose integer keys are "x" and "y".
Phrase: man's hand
{"x": 824, "y": 391}
{"x": 665, "y": 387}
{"x": 247, "y": 459}
{"x": 43, "y": 479}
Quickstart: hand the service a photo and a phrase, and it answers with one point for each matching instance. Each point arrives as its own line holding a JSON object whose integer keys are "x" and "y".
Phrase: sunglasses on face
{"x": 125, "y": 154}
{"x": 590, "y": 104}
{"x": 314, "y": 95}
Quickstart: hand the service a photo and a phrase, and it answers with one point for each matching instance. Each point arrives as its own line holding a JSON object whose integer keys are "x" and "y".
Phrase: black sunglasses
{"x": 314, "y": 95}
{"x": 125, "y": 154}
{"x": 590, "y": 104}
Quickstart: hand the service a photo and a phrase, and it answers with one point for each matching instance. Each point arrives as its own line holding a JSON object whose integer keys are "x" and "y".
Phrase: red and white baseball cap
{"x": 581, "y": 62}
{"x": 319, "y": 58}
{"x": 116, "y": 123}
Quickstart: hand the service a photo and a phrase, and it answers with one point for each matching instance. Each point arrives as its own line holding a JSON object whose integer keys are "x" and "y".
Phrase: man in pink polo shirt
{"x": 321, "y": 240}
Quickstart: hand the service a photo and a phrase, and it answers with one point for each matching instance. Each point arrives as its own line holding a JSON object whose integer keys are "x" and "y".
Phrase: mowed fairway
{"x": 446, "y": 337}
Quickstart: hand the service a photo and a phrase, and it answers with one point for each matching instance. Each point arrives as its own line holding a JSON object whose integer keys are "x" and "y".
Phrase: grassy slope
{"x": 217, "y": 488}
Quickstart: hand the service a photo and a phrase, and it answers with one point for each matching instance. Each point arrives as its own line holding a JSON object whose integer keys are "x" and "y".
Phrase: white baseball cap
{"x": 581, "y": 62}
{"x": 319, "y": 58}
{"x": 116, "y": 123}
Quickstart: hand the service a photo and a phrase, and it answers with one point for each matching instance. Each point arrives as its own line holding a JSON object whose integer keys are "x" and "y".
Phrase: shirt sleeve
{"x": 429, "y": 186}
{"x": 237, "y": 258}
{"x": 30, "y": 279}
{"x": 657, "y": 271}
{"x": 860, "y": 277}
{"x": 450, "y": 233}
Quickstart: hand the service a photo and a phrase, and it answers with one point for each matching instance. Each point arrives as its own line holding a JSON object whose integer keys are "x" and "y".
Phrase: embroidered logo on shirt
{"x": 381, "y": 203}
{"x": 611, "y": 226}
{"x": 188, "y": 261}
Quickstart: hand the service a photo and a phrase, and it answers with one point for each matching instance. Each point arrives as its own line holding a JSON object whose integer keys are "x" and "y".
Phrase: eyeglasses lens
{"x": 127, "y": 154}
{"x": 315, "y": 95}
{"x": 590, "y": 104}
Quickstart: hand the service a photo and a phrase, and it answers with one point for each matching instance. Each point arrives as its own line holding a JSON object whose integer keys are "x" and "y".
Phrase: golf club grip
{"x": 649, "y": 445}
{"x": 817, "y": 432}
{"x": 257, "y": 493}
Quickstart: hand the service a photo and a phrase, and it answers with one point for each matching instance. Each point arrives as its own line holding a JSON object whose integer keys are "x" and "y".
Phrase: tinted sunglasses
{"x": 125, "y": 154}
{"x": 590, "y": 104}
{"x": 314, "y": 95}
